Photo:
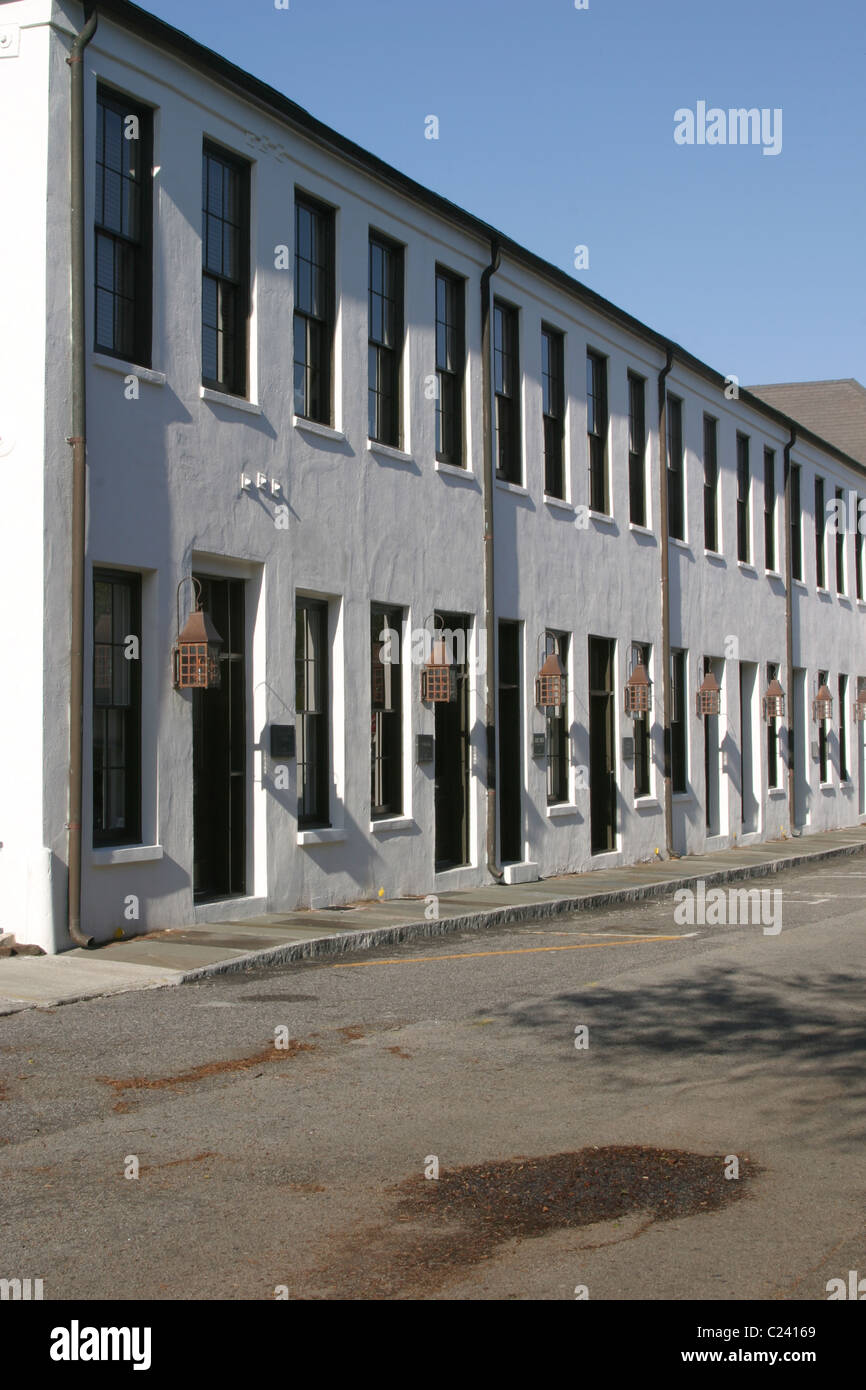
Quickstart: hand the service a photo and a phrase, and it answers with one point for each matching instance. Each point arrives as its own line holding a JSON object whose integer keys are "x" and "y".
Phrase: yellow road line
{"x": 515, "y": 951}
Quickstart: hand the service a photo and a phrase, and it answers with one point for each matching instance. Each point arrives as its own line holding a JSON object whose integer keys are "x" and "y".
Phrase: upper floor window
{"x": 796, "y": 524}
{"x": 225, "y": 291}
{"x": 676, "y": 470}
{"x": 840, "y": 541}
{"x": 636, "y": 449}
{"x": 314, "y": 309}
{"x": 743, "y": 486}
{"x": 820, "y": 526}
{"x": 116, "y": 708}
{"x": 122, "y": 230}
{"x": 596, "y": 431}
{"x": 506, "y": 386}
{"x": 711, "y": 484}
{"x": 450, "y": 366}
{"x": 858, "y": 553}
{"x": 553, "y": 409}
{"x": 769, "y": 509}
{"x": 385, "y": 340}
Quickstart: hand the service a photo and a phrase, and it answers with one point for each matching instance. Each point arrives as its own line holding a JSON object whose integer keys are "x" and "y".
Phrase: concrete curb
{"x": 344, "y": 942}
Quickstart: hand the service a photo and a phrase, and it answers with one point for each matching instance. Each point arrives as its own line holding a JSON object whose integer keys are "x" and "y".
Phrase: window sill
{"x": 124, "y": 854}
{"x": 114, "y": 364}
{"x": 466, "y": 475}
{"x": 603, "y": 518}
{"x": 233, "y": 402}
{"x": 682, "y": 796}
{"x": 392, "y": 825}
{"x": 800, "y": 584}
{"x": 774, "y": 574}
{"x": 559, "y": 504}
{"x": 845, "y": 600}
{"x": 647, "y": 803}
{"x": 680, "y": 544}
{"x": 716, "y": 557}
{"x": 746, "y": 566}
{"x": 516, "y": 488}
{"x": 328, "y": 836}
{"x": 777, "y": 792}
{"x": 823, "y": 591}
{"x": 827, "y": 787}
{"x": 387, "y": 451}
{"x": 561, "y": 808}
{"x": 317, "y": 428}
{"x": 641, "y": 530}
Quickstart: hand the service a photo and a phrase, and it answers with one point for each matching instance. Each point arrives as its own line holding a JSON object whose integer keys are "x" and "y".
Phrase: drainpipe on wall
{"x": 78, "y": 441}
{"x": 489, "y": 591}
{"x": 789, "y": 633}
{"x": 666, "y": 601}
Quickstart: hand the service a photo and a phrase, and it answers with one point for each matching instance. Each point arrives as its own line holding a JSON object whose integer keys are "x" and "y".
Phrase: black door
{"x": 602, "y": 768}
{"x": 219, "y": 753}
{"x": 510, "y": 780}
{"x": 452, "y": 753}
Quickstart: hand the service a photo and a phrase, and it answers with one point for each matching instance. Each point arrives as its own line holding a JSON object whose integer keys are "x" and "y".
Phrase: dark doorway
{"x": 219, "y": 754}
{"x": 452, "y": 751}
{"x": 602, "y": 765}
{"x": 510, "y": 779}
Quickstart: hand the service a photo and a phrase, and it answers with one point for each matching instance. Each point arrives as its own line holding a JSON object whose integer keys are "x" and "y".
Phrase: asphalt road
{"x": 301, "y": 1169}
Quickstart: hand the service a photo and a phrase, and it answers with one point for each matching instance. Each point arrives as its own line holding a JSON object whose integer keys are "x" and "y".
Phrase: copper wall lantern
{"x": 709, "y": 696}
{"x": 551, "y": 683}
{"x": 774, "y": 702}
{"x": 438, "y": 684}
{"x": 638, "y": 690}
{"x": 196, "y": 656}
{"x": 822, "y": 705}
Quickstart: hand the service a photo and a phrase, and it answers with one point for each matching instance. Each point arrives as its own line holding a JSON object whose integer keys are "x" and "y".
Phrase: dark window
{"x": 769, "y": 509}
{"x": 450, "y": 367}
{"x": 858, "y": 552}
{"x": 642, "y": 761}
{"x": 840, "y": 541}
{"x": 843, "y": 728}
{"x": 386, "y": 728}
{"x": 314, "y": 309}
{"x": 311, "y": 710}
{"x": 676, "y": 469}
{"x": 679, "y": 725}
{"x": 506, "y": 386}
{"x": 225, "y": 289}
{"x": 711, "y": 484}
{"x": 553, "y": 407}
{"x": 743, "y": 484}
{"x": 823, "y": 741}
{"x": 636, "y": 449}
{"x": 772, "y": 736}
{"x": 796, "y": 524}
{"x": 596, "y": 430}
{"x": 557, "y": 729}
{"x": 122, "y": 231}
{"x": 116, "y": 708}
{"x": 820, "y": 524}
{"x": 385, "y": 343}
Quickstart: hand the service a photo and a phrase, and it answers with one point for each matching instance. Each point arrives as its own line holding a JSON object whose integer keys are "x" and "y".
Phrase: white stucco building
{"x": 283, "y": 348}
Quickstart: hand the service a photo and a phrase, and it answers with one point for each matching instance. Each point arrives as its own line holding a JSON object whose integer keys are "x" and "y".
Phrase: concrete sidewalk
{"x": 171, "y": 957}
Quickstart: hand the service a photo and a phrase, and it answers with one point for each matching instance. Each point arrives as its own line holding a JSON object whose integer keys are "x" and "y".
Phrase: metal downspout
{"x": 489, "y": 591}
{"x": 78, "y": 442}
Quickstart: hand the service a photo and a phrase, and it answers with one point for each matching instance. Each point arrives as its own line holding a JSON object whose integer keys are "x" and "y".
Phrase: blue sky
{"x": 556, "y": 125}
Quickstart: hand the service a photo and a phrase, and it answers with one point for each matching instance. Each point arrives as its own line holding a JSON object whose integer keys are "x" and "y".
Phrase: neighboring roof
{"x": 251, "y": 89}
{"x": 834, "y": 409}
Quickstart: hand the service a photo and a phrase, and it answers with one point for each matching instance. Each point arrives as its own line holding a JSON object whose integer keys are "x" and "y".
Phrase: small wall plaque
{"x": 282, "y": 740}
{"x": 539, "y": 745}
{"x": 424, "y": 748}
{"x": 628, "y": 750}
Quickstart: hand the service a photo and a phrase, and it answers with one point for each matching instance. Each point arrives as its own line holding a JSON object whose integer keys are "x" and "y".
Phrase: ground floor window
{"x": 386, "y": 722}
{"x": 312, "y": 711}
{"x": 116, "y": 708}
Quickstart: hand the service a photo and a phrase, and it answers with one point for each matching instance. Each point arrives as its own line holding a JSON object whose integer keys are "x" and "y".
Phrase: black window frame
{"x": 553, "y": 409}
{"x": 744, "y": 488}
{"x": 314, "y": 315}
{"x": 844, "y": 770}
{"x": 642, "y": 744}
{"x": 820, "y": 535}
{"x": 232, "y": 292}
{"x": 858, "y": 555}
{"x": 449, "y": 310}
{"x": 796, "y": 523}
{"x": 313, "y": 725}
{"x": 597, "y": 422}
{"x": 637, "y": 509}
{"x": 676, "y": 467}
{"x": 773, "y": 782}
{"x": 679, "y": 739}
{"x": 385, "y": 340}
{"x": 557, "y": 739}
{"x": 711, "y": 483}
{"x": 133, "y": 343}
{"x": 130, "y": 832}
{"x": 823, "y": 738}
{"x": 506, "y": 390}
{"x": 770, "y": 509}
{"x": 841, "y": 587}
{"x": 386, "y": 714}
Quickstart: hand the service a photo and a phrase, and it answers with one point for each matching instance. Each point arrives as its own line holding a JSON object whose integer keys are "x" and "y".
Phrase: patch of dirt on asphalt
{"x": 207, "y": 1069}
{"x": 442, "y": 1227}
